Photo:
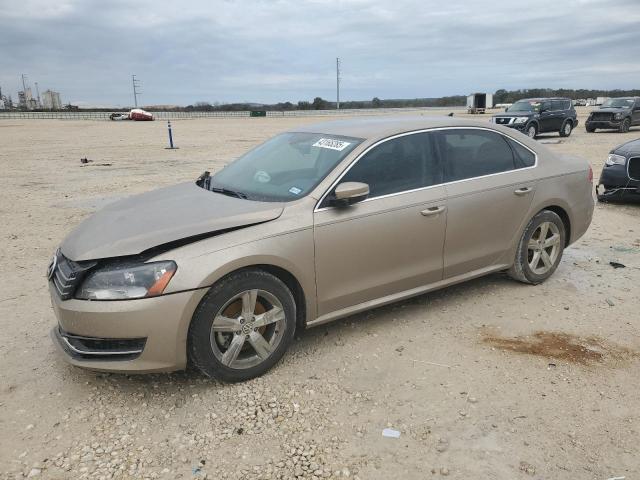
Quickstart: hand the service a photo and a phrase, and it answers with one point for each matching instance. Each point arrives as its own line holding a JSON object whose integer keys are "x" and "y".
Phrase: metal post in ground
{"x": 170, "y": 147}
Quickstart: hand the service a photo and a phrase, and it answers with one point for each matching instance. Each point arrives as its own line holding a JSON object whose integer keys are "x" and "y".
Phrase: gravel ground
{"x": 491, "y": 379}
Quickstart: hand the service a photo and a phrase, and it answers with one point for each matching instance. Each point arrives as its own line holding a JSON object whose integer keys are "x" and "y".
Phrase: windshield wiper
{"x": 228, "y": 192}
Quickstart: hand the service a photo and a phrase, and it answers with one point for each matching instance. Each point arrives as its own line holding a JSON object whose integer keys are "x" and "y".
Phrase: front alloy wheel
{"x": 247, "y": 329}
{"x": 625, "y": 126}
{"x": 242, "y": 326}
{"x": 532, "y": 131}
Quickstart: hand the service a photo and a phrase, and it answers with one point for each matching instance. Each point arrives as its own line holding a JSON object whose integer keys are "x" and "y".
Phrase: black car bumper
{"x": 606, "y": 124}
{"x": 615, "y": 184}
{"x": 516, "y": 126}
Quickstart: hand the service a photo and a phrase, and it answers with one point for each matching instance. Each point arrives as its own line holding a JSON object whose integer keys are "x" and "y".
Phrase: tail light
{"x": 590, "y": 176}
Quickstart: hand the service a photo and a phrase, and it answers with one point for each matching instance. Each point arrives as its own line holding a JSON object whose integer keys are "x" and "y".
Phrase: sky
{"x": 285, "y": 50}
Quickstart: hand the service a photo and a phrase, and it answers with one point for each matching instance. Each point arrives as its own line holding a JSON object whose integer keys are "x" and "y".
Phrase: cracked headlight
{"x": 520, "y": 120}
{"x": 127, "y": 281}
{"x": 614, "y": 159}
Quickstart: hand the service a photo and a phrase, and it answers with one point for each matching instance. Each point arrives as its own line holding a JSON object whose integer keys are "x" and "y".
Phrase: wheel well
{"x": 565, "y": 220}
{"x": 292, "y": 284}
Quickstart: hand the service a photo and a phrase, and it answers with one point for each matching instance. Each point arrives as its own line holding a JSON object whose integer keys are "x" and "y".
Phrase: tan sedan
{"x": 313, "y": 225}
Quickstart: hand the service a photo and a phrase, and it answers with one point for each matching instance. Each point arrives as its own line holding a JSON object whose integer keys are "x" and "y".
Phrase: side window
{"x": 558, "y": 105}
{"x": 404, "y": 163}
{"x": 524, "y": 156}
{"x": 546, "y": 105}
{"x": 568, "y": 104}
{"x": 472, "y": 153}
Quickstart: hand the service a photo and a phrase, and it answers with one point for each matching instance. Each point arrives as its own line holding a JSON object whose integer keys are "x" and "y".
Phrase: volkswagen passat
{"x": 313, "y": 225}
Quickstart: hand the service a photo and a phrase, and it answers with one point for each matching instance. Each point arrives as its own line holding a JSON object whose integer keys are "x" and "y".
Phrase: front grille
{"x": 602, "y": 116}
{"x": 102, "y": 348}
{"x": 634, "y": 168}
{"x": 66, "y": 274}
{"x": 503, "y": 120}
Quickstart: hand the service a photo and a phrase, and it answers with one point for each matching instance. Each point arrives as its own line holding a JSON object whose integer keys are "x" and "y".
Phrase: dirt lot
{"x": 487, "y": 380}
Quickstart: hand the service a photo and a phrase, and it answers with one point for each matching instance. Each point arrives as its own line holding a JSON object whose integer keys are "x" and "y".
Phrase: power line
{"x": 338, "y": 83}
{"x": 136, "y": 85}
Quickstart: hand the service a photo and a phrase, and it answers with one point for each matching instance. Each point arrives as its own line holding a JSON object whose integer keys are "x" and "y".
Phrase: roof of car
{"x": 541, "y": 99}
{"x": 384, "y": 126}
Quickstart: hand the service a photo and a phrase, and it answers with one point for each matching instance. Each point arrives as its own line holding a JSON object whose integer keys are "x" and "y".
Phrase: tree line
{"x": 510, "y": 96}
{"x": 320, "y": 103}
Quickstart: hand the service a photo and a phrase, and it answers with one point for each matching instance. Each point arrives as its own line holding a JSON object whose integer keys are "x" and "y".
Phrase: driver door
{"x": 391, "y": 242}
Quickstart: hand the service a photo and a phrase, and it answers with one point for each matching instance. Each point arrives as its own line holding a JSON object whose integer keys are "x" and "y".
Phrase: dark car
{"x": 540, "y": 115}
{"x": 620, "y": 178}
{"x": 616, "y": 113}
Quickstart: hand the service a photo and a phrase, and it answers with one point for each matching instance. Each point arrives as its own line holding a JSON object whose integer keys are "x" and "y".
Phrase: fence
{"x": 189, "y": 115}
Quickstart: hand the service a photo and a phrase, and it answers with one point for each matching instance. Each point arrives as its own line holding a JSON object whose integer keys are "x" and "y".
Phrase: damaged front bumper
{"x": 615, "y": 184}
{"x": 133, "y": 336}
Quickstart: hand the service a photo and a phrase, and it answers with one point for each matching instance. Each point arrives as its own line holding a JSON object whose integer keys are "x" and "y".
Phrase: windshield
{"x": 618, "y": 103}
{"x": 283, "y": 168}
{"x": 525, "y": 106}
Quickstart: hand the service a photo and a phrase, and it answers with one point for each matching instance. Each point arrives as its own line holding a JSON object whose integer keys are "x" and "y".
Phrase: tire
{"x": 531, "y": 131}
{"x": 567, "y": 128}
{"x": 260, "y": 341}
{"x": 589, "y": 129}
{"x": 526, "y": 268}
{"x": 624, "y": 126}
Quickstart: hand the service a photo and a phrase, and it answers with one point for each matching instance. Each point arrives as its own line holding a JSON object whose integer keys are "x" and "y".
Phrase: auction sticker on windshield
{"x": 332, "y": 144}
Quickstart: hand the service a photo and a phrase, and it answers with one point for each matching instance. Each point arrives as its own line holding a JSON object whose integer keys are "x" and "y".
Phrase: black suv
{"x": 540, "y": 115}
{"x": 616, "y": 113}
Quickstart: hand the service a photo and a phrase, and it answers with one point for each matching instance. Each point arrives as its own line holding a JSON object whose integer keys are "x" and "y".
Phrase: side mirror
{"x": 348, "y": 193}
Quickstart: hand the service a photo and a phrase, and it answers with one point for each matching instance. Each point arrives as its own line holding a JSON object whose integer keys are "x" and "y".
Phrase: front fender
{"x": 293, "y": 252}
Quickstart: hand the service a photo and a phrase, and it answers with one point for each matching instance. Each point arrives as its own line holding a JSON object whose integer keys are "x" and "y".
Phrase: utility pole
{"x": 136, "y": 85}
{"x": 337, "y": 83}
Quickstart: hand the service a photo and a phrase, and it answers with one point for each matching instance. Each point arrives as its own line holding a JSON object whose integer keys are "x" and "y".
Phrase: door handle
{"x": 432, "y": 211}
{"x": 522, "y": 191}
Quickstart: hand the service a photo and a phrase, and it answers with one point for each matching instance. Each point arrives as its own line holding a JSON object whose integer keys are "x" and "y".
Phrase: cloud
{"x": 277, "y": 50}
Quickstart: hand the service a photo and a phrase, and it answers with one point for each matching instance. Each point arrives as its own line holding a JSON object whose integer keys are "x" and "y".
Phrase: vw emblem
{"x": 52, "y": 266}
{"x": 247, "y": 328}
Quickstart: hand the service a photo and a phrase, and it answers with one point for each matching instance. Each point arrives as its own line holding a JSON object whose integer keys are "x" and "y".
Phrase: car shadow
{"x": 306, "y": 341}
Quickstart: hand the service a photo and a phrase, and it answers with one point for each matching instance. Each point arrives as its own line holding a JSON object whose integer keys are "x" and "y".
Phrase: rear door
{"x": 636, "y": 112}
{"x": 547, "y": 117}
{"x": 490, "y": 186}
{"x": 391, "y": 242}
{"x": 562, "y": 111}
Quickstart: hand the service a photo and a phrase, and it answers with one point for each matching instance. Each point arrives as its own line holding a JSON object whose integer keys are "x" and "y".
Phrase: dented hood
{"x": 138, "y": 223}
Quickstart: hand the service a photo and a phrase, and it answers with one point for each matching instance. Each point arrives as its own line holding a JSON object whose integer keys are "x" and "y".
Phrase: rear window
{"x": 523, "y": 156}
{"x": 473, "y": 153}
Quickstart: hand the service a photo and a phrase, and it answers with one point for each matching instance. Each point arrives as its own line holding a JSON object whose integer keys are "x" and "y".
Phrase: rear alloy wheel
{"x": 540, "y": 248}
{"x": 242, "y": 327}
{"x": 532, "y": 131}
{"x": 566, "y": 129}
{"x": 625, "y": 125}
